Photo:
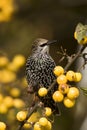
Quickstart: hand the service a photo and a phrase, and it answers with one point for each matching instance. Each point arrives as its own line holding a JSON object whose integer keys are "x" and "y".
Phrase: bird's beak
{"x": 51, "y": 42}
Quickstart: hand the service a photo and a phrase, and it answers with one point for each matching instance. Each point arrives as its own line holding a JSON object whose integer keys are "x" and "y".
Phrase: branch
{"x": 69, "y": 64}
{"x": 75, "y": 57}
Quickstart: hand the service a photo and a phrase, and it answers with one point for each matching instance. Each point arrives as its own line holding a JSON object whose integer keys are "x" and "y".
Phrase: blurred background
{"x": 21, "y": 22}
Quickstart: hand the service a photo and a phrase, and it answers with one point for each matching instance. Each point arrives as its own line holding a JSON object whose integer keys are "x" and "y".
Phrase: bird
{"x": 39, "y": 71}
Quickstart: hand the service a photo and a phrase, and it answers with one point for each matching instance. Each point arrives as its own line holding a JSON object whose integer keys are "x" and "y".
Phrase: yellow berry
{"x": 62, "y": 79}
{"x": 27, "y": 125}
{"x": 43, "y": 121}
{"x": 37, "y": 126}
{"x": 8, "y": 101}
{"x": 63, "y": 88}
{"x": 68, "y": 102}
{"x": 73, "y": 93}
{"x": 70, "y": 75}
{"x": 19, "y": 60}
{"x": 57, "y": 96}
{"x": 3, "y": 108}
{"x": 21, "y": 115}
{"x": 58, "y": 70}
{"x": 2, "y": 126}
{"x": 15, "y": 92}
{"x": 48, "y": 111}
{"x": 7, "y": 76}
{"x": 12, "y": 67}
{"x": 48, "y": 126}
{"x": 42, "y": 92}
{"x": 3, "y": 61}
{"x": 18, "y": 103}
{"x": 78, "y": 77}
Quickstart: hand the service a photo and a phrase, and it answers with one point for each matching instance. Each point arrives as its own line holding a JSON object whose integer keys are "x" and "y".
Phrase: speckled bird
{"x": 39, "y": 70}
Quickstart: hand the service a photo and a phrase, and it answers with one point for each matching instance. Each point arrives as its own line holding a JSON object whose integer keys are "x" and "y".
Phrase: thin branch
{"x": 52, "y": 85}
{"x": 69, "y": 64}
{"x": 75, "y": 57}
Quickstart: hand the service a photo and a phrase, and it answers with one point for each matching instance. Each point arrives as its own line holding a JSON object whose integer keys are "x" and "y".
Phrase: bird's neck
{"x": 39, "y": 55}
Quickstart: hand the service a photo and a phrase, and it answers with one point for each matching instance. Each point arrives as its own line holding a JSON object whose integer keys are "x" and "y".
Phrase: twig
{"x": 52, "y": 85}
{"x": 69, "y": 64}
{"x": 75, "y": 57}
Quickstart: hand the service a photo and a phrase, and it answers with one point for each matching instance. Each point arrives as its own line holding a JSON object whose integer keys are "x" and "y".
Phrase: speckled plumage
{"x": 39, "y": 69}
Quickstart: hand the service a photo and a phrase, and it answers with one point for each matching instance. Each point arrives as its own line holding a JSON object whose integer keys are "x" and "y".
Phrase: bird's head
{"x": 42, "y": 45}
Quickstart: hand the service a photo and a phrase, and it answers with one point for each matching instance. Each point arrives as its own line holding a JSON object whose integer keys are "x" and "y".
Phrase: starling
{"x": 39, "y": 71}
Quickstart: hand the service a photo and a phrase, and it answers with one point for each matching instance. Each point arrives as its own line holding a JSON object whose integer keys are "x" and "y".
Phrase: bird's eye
{"x": 44, "y": 44}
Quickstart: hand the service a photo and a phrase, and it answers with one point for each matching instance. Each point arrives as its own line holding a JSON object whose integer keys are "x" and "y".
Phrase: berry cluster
{"x": 11, "y": 86}
{"x": 39, "y": 121}
{"x": 65, "y": 92}
{"x": 42, "y": 124}
{"x": 7, "y": 103}
{"x": 9, "y": 69}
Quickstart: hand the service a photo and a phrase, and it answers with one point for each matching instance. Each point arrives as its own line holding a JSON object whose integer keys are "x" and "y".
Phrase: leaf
{"x": 84, "y": 89}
